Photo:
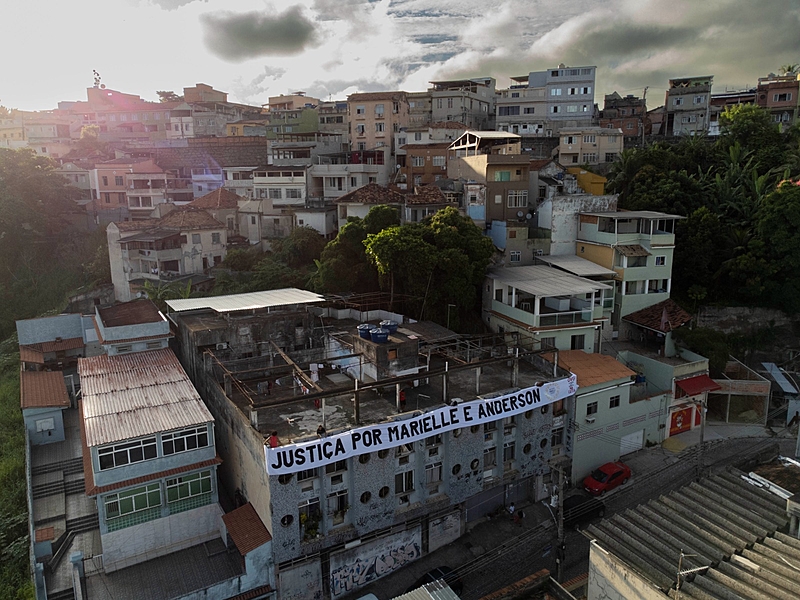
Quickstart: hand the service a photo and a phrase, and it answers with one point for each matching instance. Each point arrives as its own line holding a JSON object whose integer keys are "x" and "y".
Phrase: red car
{"x": 606, "y": 478}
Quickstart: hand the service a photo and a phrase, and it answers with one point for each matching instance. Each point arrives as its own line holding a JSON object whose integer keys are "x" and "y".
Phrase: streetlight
{"x": 448, "y": 314}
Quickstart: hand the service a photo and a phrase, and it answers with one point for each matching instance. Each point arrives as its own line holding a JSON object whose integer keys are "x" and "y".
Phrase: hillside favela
{"x": 514, "y": 329}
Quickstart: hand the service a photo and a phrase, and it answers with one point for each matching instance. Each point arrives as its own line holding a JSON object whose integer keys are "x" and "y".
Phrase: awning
{"x": 633, "y": 250}
{"x": 697, "y": 385}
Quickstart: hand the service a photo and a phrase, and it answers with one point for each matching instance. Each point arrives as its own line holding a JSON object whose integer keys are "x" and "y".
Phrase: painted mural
{"x": 444, "y": 530}
{"x": 359, "y": 566}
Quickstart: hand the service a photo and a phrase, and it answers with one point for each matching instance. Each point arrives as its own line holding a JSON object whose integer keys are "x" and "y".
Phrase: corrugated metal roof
{"x": 436, "y": 590}
{"x": 546, "y": 282}
{"x": 250, "y": 301}
{"x": 135, "y": 395}
{"x": 633, "y": 214}
{"x": 780, "y": 378}
{"x": 577, "y": 266}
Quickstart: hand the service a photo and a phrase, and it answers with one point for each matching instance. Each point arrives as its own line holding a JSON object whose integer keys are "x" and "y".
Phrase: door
{"x": 681, "y": 421}
{"x": 631, "y": 442}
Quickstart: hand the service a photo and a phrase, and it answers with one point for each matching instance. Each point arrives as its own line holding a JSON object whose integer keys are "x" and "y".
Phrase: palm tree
{"x": 790, "y": 69}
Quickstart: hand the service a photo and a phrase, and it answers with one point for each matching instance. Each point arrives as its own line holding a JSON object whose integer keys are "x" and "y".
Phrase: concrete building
{"x": 359, "y": 202}
{"x": 407, "y": 141}
{"x": 721, "y": 101}
{"x": 467, "y": 101}
{"x": 374, "y": 119}
{"x": 260, "y": 222}
{"x": 780, "y": 95}
{"x": 687, "y": 104}
{"x": 286, "y": 186}
{"x": 337, "y": 174}
{"x": 178, "y": 248}
{"x": 627, "y": 113}
{"x": 291, "y": 366}
{"x": 589, "y": 146}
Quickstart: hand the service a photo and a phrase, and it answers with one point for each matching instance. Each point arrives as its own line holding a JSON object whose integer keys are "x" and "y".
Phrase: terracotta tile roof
{"x": 594, "y": 368}
{"x": 102, "y": 489}
{"x": 426, "y": 194}
{"x": 632, "y": 250}
{"x": 53, "y": 346}
{"x": 255, "y": 593}
{"x": 372, "y": 193}
{"x": 31, "y": 355}
{"x": 189, "y": 218}
{"x": 537, "y": 165}
{"x": 136, "y": 225}
{"x": 220, "y": 198}
{"x": 367, "y": 96}
{"x": 448, "y": 125}
{"x": 246, "y": 528}
{"x": 662, "y": 317}
{"x": 42, "y": 389}
{"x": 130, "y": 313}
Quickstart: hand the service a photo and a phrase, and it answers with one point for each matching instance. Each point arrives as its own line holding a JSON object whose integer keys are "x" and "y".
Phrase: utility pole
{"x": 561, "y": 548}
{"x": 700, "y": 458}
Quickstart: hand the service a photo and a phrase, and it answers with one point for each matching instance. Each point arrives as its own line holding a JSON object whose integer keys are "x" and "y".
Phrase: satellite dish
{"x": 520, "y": 214}
{"x": 529, "y": 216}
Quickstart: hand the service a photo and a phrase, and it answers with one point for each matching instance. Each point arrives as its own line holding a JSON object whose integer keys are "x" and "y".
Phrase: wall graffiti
{"x": 359, "y": 566}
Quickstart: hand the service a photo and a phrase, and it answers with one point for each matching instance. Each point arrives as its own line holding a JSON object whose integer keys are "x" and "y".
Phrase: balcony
{"x": 551, "y": 318}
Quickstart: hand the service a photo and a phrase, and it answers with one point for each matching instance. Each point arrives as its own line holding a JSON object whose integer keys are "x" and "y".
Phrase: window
{"x": 591, "y": 408}
{"x": 577, "y": 342}
{"x": 572, "y": 91}
{"x": 195, "y": 238}
{"x": 557, "y": 437}
{"x": 361, "y": 146}
{"x": 677, "y": 102}
{"x": 294, "y": 193}
{"x": 509, "y": 451}
{"x": 548, "y": 342}
{"x": 517, "y": 199}
{"x": 417, "y": 137}
{"x": 45, "y": 425}
{"x": 187, "y": 486}
{"x": 133, "y": 500}
{"x": 274, "y": 193}
{"x": 449, "y": 103}
{"x": 555, "y": 109}
{"x": 572, "y": 108}
{"x": 380, "y": 127}
{"x": 433, "y": 473}
{"x": 781, "y": 97}
{"x": 516, "y": 256}
{"x": 337, "y": 505}
{"x": 529, "y": 110}
{"x": 307, "y": 474}
{"x": 502, "y": 175}
{"x": 555, "y": 91}
{"x": 215, "y": 238}
{"x": 417, "y": 161}
{"x": 489, "y": 458}
{"x": 613, "y": 402}
{"x": 515, "y": 94}
{"x": 438, "y": 161}
{"x": 335, "y": 467}
{"x": 589, "y": 139}
{"x": 105, "y": 180}
{"x": 252, "y": 220}
{"x": 699, "y": 100}
{"x": 360, "y": 110}
{"x": 433, "y": 440}
{"x": 186, "y": 439}
{"x": 627, "y": 126}
{"x": 589, "y": 157}
{"x": 404, "y": 482}
{"x": 505, "y": 111}
{"x": 107, "y": 197}
{"x": 570, "y": 139}
{"x": 661, "y": 261}
{"x": 379, "y": 110}
{"x": 611, "y": 156}
{"x": 127, "y": 453}
{"x": 118, "y": 180}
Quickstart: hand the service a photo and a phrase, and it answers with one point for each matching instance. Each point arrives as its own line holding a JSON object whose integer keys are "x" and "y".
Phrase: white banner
{"x": 291, "y": 458}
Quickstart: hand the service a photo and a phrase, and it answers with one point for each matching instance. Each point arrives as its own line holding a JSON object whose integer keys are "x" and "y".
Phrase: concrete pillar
{"x": 515, "y": 369}
{"x": 445, "y": 383}
{"x": 477, "y": 381}
{"x": 356, "y": 406}
{"x": 76, "y": 558}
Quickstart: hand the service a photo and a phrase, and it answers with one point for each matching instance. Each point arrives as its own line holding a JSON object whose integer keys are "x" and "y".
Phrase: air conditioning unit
{"x": 590, "y": 419}
{"x": 222, "y": 346}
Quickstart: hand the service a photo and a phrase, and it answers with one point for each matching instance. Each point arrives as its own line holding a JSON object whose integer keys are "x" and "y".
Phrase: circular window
{"x": 528, "y": 414}
{"x": 365, "y": 497}
{"x": 284, "y": 479}
{"x": 364, "y": 458}
{"x": 543, "y": 443}
{"x": 456, "y": 469}
{"x": 526, "y": 449}
{"x": 545, "y": 408}
{"x": 287, "y": 520}
{"x": 384, "y": 491}
{"x": 456, "y": 432}
{"x": 474, "y": 464}
{"x": 383, "y": 453}
{"x": 475, "y": 428}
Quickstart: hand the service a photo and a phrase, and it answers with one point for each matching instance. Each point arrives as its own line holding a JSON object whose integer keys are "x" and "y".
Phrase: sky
{"x": 254, "y": 49}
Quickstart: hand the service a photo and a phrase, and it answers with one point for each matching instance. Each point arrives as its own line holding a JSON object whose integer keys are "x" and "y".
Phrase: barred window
{"x": 517, "y": 198}
{"x": 187, "y": 486}
{"x": 186, "y": 439}
{"x": 127, "y": 453}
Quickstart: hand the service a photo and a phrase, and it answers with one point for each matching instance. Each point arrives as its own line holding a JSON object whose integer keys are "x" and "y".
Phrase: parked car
{"x": 436, "y": 574}
{"x": 582, "y": 509}
{"x": 606, "y": 478}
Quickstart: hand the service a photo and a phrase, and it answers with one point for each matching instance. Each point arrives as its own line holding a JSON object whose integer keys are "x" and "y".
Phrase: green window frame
{"x": 133, "y": 500}
{"x": 187, "y": 486}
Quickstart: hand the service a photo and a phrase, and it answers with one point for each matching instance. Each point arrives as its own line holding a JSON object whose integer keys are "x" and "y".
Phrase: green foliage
{"x": 381, "y": 217}
{"x": 751, "y": 127}
{"x": 300, "y": 248}
{"x": 706, "y": 342}
{"x": 242, "y": 260}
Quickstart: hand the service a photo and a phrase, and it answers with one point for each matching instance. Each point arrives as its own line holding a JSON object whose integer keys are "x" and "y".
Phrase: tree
{"x": 752, "y": 128}
{"x": 300, "y": 249}
{"x": 169, "y": 96}
{"x": 790, "y": 69}
{"x": 403, "y": 258}
{"x": 381, "y": 217}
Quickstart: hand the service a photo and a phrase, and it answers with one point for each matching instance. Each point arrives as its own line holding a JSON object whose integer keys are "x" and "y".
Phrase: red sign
{"x": 681, "y": 421}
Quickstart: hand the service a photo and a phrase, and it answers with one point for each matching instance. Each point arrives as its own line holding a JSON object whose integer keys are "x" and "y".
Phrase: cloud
{"x": 173, "y": 4}
{"x": 237, "y": 37}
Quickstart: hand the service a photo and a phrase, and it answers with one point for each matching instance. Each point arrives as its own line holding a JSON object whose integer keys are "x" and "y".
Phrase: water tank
{"x": 379, "y": 335}
{"x": 390, "y": 325}
{"x": 363, "y": 330}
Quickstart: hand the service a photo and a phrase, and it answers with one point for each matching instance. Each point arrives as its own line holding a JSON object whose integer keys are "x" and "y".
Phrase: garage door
{"x": 631, "y": 442}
